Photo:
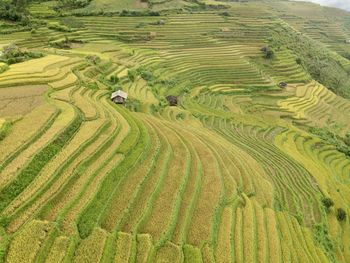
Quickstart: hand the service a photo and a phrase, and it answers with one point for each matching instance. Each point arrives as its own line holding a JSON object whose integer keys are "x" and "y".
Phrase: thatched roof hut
{"x": 172, "y": 100}
{"x": 119, "y": 96}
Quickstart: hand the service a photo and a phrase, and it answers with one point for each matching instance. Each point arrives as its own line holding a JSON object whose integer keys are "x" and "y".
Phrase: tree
{"x": 114, "y": 79}
{"x": 327, "y": 202}
{"x": 269, "y": 54}
{"x": 341, "y": 214}
{"x": 347, "y": 139}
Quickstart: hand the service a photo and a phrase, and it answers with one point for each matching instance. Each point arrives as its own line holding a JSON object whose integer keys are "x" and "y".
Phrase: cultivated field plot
{"x": 240, "y": 170}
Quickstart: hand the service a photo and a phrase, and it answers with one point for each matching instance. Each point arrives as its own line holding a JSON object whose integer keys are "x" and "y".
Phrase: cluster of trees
{"x": 71, "y": 4}
{"x": 13, "y": 54}
{"x": 324, "y": 66}
{"x": 340, "y": 212}
{"x": 13, "y": 10}
{"x": 268, "y": 52}
{"x": 341, "y": 144}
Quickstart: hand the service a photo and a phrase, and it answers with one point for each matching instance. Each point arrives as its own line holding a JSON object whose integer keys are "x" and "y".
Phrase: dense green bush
{"x": 58, "y": 27}
{"x": 144, "y": 73}
{"x": 341, "y": 214}
{"x": 133, "y": 105}
{"x": 327, "y": 202}
{"x": 114, "y": 79}
{"x": 323, "y": 239}
{"x": 12, "y": 11}
{"x": 131, "y": 75}
{"x": 13, "y": 54}
{"x": 139, "y": 13}
{"x": 69, "y": 4}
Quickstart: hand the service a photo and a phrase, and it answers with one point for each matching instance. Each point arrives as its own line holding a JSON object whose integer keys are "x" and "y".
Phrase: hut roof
{"x": 282, "y": 84}
{"x": 119, "y": 93}
{"x": 172, "y": 100}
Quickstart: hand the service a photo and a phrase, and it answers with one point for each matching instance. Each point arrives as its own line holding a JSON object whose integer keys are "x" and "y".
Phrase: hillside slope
{"x": 241, "y": 170}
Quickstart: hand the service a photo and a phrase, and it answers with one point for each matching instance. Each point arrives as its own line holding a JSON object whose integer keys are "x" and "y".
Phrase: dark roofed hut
{"x": 282, "y": 85}
{"x": 119, "y": 97}
{"x": 172, "y": 100}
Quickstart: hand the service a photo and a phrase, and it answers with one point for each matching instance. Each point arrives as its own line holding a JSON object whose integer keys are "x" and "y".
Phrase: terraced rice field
{"x": 229, "y": 175}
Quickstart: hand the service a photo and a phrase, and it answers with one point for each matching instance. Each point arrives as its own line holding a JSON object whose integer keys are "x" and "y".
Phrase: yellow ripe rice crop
{"x": 223, "y": 249}
{"x": 261, "y": 233}
{"x": 91, "y": 248}
{"x": 27, "y": 242}
{"x": 123, "y": 247}
{"x": 273, "y": 236}
{"x": 18, "y": 101}
{"x": 67, "y": 81}
{"x": 25, "y": 128}
{"x": 238, "y": 238}
{"x": 66, "y": 115}
{"x": 208, "y": 254}
{"x": 169, "y": 250}
{"x": 84, "y": 134}
{"x": 34, "y": 66}
{"x": 58, "y": 250}
{"x": 144, "y": 247}
{"x": 249, "y": 230}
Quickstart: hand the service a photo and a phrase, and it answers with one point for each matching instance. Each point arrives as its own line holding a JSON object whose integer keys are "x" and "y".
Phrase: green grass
{"x": 27, "y": 175}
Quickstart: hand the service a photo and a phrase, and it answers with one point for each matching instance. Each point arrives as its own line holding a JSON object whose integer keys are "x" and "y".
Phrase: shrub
{"x": 93, "y": 59}
{"x": 145, "y": 74}
{"x": 114, "y": 79}
{"x": 131, "y": 75}
{"x": 327, "y": 202}
{"x": 133, "y": 105}
{"x": 58, "y": 27}
{"x": 347, "y": 139}
{"x": 341, "y": 214}
{"x": 323, "y": 239}
{"x": 139, "y": 13}
{"x": 66, "y": 4}
{"x": 269, "y": 54}
{"x": 225, "y": 13}
{"x": 13, "y": 54}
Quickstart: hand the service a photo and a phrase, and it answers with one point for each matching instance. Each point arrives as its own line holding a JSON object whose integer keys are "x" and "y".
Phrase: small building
{"x": 119, "y": 97}
{"x": 172, "y": 100}
{"x": 282, "y": 85}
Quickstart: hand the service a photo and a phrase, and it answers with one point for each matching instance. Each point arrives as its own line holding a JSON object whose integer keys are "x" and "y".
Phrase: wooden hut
{"x": 119, "y": 97}
{"x": 282, "y": 84}
{"x": 172, "y": 100}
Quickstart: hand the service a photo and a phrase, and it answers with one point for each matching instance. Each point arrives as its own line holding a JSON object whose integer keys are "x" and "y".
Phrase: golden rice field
{"x": 233, "y": 173}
